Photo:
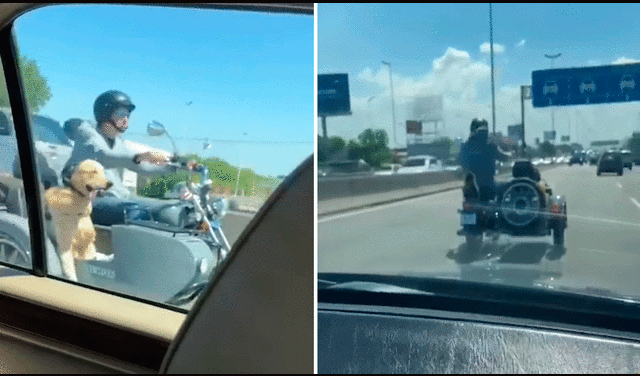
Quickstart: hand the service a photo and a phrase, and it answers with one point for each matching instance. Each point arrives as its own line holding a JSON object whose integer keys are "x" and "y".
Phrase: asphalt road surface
{"x": 418, "y": 237}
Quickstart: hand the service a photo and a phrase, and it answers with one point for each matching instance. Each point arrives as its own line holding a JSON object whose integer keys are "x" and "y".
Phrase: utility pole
{"x": 493, "y": 89}
{"x": 553, "y": 109}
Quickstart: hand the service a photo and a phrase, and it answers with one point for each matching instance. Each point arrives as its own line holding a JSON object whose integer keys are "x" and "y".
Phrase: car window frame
{"x": 74, "y": 325}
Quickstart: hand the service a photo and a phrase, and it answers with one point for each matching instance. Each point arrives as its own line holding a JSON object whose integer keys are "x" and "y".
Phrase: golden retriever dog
{"x": 70, "y": 209}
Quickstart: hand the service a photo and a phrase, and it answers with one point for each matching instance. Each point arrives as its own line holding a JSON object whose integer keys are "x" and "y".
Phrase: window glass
{"x": 414, "y": 163}
{"x": 14, "y": 228}
{"x": 547, "y": 90}
{"x": 195, "y": 123}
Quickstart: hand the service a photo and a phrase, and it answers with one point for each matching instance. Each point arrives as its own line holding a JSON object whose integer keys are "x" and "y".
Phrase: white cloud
{"x": 624, "y": 60}
{"x": 485, "y": 48}
{"x": 464, "y": 84}
{"x": 521, "y": 43}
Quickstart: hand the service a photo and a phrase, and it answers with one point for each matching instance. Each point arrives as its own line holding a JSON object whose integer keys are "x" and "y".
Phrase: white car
{"x": 420, "y": 164}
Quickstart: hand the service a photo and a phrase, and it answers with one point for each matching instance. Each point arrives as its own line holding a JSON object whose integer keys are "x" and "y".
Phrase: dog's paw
{"x": 103, "y": 257}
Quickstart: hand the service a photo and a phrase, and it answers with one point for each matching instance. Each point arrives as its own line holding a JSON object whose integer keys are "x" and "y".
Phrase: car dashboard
{"x": 382, "y": 330}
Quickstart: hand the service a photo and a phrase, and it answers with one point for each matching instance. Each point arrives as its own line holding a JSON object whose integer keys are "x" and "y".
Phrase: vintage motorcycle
{"x": 523, "y": 206}
{"x": 163, "y": 250}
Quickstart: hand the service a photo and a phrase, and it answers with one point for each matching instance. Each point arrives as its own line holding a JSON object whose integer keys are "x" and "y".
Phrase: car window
{"x": 426, "y": 76}
{"x": 414, "y": 162}
{"x": 187, "y": 142}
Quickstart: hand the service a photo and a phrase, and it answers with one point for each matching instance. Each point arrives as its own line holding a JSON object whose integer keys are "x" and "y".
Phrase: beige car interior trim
{"x": 53, "y": 357}
{"x": 109, "y": 309}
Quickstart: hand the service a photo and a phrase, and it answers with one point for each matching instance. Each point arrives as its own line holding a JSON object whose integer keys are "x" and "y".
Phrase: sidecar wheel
{"x": 11, "y": 251}
{"x": 474, "y": 242}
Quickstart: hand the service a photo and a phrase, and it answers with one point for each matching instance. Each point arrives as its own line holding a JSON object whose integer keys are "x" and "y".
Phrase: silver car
{"x": 52, "y": 145}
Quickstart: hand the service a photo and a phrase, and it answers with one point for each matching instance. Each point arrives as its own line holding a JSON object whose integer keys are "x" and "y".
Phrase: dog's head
{"x": 89, "y": 179}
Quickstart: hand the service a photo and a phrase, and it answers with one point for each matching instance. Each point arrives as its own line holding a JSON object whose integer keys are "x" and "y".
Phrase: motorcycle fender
{"x": 151, "y": 263}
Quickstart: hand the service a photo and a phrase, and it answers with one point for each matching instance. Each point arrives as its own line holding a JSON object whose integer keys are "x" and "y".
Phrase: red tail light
{"x": 467, "y": 206}
{"x": 555, "y": 209}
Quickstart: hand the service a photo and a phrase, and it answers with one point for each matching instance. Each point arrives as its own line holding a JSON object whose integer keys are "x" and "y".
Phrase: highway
{"x": 418, "y": 237}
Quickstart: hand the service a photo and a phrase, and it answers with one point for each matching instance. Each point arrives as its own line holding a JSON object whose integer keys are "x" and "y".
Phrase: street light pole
{"x": 553, "y": 109}
{"x": 393, "y": 106}
{"x": 493, "y": 89}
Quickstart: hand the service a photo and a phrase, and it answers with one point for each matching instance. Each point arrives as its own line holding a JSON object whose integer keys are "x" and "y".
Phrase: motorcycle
{"x": 523, "y": 206}
{"x": 162, "y": 250}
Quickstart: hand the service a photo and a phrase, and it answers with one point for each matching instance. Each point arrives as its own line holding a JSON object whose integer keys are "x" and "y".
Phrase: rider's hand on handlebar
{"x": 153, "y": 157}
{"x": 192, "y": 165}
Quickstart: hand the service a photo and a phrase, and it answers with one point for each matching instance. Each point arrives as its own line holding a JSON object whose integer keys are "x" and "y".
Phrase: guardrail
{"x": 338, "y": 195}
{"x": 370, "y": 184}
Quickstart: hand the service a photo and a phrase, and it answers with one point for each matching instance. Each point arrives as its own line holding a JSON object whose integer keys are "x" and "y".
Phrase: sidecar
{"x": 522, "y": 206}
{"x": 151, "y": 259}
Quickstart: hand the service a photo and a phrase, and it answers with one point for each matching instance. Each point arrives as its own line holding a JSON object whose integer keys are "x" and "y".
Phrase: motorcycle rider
{"x": 478, "y": 157}
{"x": 104, "y": 143}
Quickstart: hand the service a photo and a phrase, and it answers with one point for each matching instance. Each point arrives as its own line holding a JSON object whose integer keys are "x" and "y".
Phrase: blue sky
{"x": 437, "y": 49}
{"x": 248, "y": 75}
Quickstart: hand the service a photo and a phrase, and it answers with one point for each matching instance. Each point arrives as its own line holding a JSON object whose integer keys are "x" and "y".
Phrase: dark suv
{"x": 578, "y": 158}
{"x": 610, "y": 161}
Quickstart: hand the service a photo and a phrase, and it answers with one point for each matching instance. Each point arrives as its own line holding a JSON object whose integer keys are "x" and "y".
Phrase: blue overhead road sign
{"x": 588, "y": 85}
{"x": 333, "y": 95}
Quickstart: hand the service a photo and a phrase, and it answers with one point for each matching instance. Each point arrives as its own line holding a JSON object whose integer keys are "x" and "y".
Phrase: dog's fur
{"x": 70, "y": 209}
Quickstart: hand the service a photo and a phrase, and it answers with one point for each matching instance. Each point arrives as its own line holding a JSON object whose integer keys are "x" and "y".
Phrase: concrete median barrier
{"x": 345, "y": 194}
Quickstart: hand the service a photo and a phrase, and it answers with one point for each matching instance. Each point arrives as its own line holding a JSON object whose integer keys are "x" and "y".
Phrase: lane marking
{"x": 635, "y": 202}
{"x": 241, "y": 214}
{"x": 619, "y": 185}
{"x": 599, "y": 251}
{"x": 380, "y": 207}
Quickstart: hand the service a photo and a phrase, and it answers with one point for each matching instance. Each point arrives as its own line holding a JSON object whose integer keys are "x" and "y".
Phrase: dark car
{"x": 578, "y": 158}
{"x": 611, "y": 162}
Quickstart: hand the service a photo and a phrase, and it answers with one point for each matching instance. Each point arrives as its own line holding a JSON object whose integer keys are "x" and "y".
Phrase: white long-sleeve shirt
{"x": 90, "y": 144}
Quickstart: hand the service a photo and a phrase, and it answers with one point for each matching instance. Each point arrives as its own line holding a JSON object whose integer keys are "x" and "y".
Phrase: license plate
{"x": 468, "y": 219}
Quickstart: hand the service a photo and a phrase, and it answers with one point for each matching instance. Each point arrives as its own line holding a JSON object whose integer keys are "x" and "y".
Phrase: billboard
{"x": 333, "y": 95}
{"x": 414, "y": 127}
{"x": 549, "y": 136}
{"x": 427, "y": 108}
{"x": 514, "y": 132}
{"x": 586, "y": 85}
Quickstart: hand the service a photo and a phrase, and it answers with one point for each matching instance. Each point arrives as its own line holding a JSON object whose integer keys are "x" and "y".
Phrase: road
{"x": 418, "y": 236}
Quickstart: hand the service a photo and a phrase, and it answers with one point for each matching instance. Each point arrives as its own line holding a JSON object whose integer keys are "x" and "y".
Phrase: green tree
{"x": 36, "y": 87}
{"x": 372, "y": 147}
{"x": 354, "y": 150}
{"x": 336, "y": 144}
{"x": 547, "y": 149}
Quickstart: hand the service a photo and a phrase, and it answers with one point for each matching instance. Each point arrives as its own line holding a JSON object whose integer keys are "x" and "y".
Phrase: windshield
{"x": 418, "y": 75}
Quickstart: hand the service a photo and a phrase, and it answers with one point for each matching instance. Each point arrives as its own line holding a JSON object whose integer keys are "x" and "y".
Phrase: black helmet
{"x": 108, "y": 102}
{"x": 479, "y": 124}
